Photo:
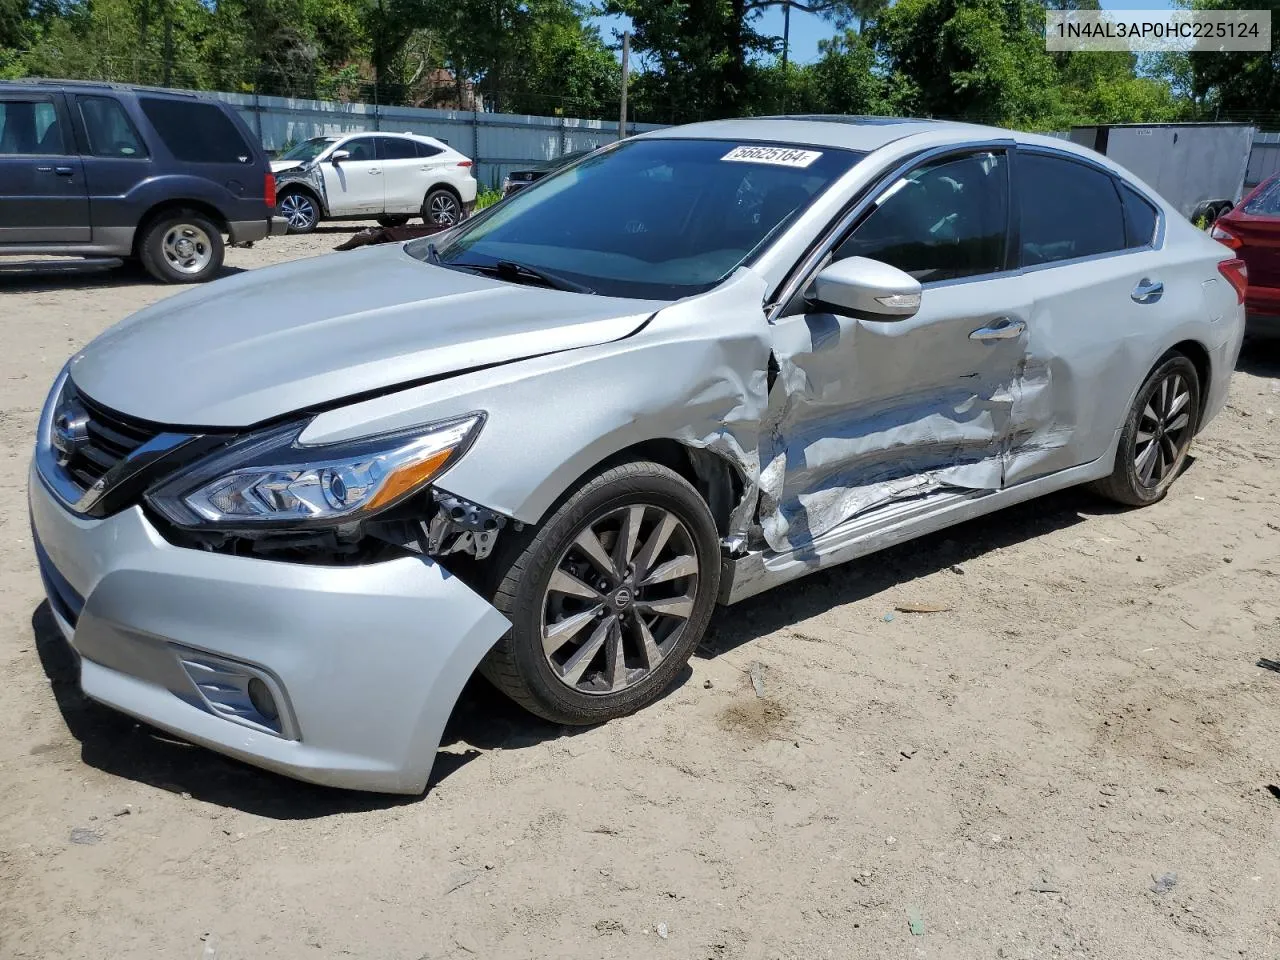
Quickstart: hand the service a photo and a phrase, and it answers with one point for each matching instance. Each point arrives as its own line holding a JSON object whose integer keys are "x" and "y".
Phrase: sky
{"x": 807, "y": 29}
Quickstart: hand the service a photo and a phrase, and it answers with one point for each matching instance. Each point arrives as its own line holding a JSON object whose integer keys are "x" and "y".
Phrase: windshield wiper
{"x": 522, "y": 273}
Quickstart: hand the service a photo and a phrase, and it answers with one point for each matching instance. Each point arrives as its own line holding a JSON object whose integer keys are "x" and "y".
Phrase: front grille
{"x": 110, "y": 438}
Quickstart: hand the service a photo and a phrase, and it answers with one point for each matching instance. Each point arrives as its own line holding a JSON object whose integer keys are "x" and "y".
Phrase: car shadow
{"x": 1260, "y": 357}
{"x": 483, "y": 718}
{"x": 39, "y": 280}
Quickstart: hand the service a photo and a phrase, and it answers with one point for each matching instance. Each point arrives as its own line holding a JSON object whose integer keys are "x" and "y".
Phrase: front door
{"x": 43, "y": 198}
{"x": 866, "y": 413}
{"x": 355, "y": 185}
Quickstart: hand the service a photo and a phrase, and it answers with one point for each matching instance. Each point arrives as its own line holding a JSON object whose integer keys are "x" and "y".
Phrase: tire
{"x": 181, "y": 246}
{"x": 1148, "y": 460}
{"x": 299, "y": 210}
{"x": 398, "y": 220}
{"x": 441, "y": 207}
{"x": 547, "y": 683}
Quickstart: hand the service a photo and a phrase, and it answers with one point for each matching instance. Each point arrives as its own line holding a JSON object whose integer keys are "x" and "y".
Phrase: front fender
{"x": 697, "y": 374}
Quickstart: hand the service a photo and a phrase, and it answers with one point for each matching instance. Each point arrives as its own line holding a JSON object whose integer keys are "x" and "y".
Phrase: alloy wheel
{"x": 299, "y": 211}
{"x": 444, "y": 209}
{"x": 1164, "y": 430}
{"x": 619, "y": 598}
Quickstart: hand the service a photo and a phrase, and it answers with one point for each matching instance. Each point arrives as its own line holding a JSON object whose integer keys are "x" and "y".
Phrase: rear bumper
{"x": 247, "y": 231}
{"x": 364, "y": 664}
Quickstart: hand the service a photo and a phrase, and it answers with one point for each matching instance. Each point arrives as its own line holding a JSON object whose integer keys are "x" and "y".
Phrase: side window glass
{"x": 426, "y": 150}
{"x": 942, "y": 221}
{"x": 1068, "y": 210}
{"x": 196, "y": 132}
{"x": 393, "y": 148}
{"x": 110, "y": 132}
{"x": 1139, "y": 219}
{"x": 30, "y": 127}
{"x": 361, "y": 149}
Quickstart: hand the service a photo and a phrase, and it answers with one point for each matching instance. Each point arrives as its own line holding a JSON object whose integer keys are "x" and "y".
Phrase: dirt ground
{"x": 1018, "y": 772}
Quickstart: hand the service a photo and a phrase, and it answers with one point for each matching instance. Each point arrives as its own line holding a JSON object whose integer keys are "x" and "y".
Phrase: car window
{"x": 30, "y": 127}
{"x": 1139, "y": 219}
{"x": 659, "y": 218}
{"x": 1069, "y": 210}
{"x": 394, "y": 148}
{"x": 426, "y": 149}
{"x": 110, "y": 132}
{"x": 196, "y": 132}
{"x": 360, "y": 148}
{"x": 1267, "y": 202}
{"x": 942, "y": 221}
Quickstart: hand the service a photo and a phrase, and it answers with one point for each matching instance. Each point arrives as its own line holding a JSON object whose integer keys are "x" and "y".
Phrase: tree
{"x": 1239, "y": 85}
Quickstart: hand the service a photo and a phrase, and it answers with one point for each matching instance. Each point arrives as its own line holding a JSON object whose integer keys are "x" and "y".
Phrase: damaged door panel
{"x": 866, "y": 413}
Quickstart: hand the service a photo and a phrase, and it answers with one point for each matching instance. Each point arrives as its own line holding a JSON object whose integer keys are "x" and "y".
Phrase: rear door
{"x": 116, "y": 161}
{"x": 355, "y": 185}
{"x": 1103, "y": 292}
{"x": 43, "y": 198}
{"x": 406, "y": 174}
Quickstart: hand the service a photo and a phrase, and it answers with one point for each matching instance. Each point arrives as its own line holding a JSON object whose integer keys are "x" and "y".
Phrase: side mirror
{"x": 338, "y": 156}
{"x": 866, "y": 288}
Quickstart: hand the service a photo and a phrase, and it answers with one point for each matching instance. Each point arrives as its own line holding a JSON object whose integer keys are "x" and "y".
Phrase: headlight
{"x": 269, "y": 480}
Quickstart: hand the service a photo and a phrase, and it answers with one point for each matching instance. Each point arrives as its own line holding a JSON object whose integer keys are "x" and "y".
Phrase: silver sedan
{"x": 288, "y": 515}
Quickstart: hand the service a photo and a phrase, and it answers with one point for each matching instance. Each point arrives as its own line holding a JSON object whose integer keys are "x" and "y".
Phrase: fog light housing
{"x": 260, "y": 697}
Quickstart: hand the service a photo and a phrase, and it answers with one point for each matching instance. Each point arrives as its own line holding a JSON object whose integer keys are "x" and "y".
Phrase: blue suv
{"x": 105, "y": 171}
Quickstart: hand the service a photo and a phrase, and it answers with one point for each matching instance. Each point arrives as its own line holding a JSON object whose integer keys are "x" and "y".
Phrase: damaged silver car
{"x": 289, "y": 515}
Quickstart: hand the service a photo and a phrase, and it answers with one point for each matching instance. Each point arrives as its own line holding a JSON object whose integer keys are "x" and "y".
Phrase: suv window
{"x": 1139, "y": 219}
{"x": 30, "y": 127}
{"x": 393, "y": 148}
{"x": 425, "y": 149}
{"x": 196, "y": 132}
{"x": 942, "y": 221}
{"x": 360, "y": 148}
{"x": 1069, "y": 210}
{"x": 110, "y": 132}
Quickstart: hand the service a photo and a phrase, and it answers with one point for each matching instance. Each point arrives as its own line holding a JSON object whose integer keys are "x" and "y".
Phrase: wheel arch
{"x": 1198, "y": 354}
{"x": 173, "y": 205}
{"x": 301, "y": 186}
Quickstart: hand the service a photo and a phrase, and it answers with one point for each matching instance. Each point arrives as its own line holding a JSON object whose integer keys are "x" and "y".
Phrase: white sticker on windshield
{"x": 778, "y": 156}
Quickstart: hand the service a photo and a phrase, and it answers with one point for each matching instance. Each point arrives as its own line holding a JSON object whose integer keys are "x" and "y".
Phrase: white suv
{"x": 387, "y": 176}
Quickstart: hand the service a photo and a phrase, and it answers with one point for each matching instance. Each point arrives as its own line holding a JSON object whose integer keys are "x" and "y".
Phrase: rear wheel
{"x": 299, "y": 210}
{"x": 1157, "y": 434}
{"x": 608, "y": 599}
{"x": 181, "y": 247}
{"x": 441, "y": 208}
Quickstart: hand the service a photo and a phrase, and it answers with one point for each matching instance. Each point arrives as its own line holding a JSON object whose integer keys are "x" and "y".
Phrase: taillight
{"x": 269, "y": 190}
{"x": 1236, "y": 274}
{"x": 1223, "y": 235}
{"x": 464, "y": 163}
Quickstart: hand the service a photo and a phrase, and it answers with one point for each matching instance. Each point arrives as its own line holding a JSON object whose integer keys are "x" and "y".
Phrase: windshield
{"x": 1266, "y": 203}
{"x": 654, "y": 219}
{"x": 309, "y": 149}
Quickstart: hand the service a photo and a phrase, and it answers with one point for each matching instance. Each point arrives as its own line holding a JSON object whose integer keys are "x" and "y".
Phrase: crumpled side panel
{"x": 310, "y": 175}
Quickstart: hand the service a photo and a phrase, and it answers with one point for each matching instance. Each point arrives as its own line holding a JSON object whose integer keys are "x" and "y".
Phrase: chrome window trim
{"x": 809, "y": 265}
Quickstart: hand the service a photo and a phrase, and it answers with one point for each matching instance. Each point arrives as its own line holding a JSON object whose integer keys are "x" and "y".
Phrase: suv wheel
{"x": 608, "y": 598}
{"x": 182, "y": 247}
{"x": 441, "y": 208}
{"x": 299, "y": 211}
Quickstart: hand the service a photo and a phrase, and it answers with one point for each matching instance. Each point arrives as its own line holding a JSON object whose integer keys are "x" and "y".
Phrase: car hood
{"x": 279, "y": 166}
{"x": 273, "y": 341}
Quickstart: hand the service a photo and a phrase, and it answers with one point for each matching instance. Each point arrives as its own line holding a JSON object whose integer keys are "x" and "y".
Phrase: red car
{"x": 1252, "y": 229}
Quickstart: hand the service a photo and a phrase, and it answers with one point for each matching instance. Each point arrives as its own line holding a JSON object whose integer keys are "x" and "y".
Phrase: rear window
{"x": 196, "y": 132}
{"x": 1139, "y": 219}
{"x": 1266, "y": 203}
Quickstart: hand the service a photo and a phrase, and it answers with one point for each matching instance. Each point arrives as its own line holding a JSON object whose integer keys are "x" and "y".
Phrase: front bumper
{"x": 365, "y": 663}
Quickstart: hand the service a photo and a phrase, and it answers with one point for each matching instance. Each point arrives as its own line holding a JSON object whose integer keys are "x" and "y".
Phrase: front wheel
{"x": 1156, "y": 435}
{"x": 608, "y": 599}
{"x": 299, "y": 210}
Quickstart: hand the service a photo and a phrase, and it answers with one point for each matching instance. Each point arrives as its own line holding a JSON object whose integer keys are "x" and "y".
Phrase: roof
{"x": 41, "y": 82}
{"x": 819, "y": 130}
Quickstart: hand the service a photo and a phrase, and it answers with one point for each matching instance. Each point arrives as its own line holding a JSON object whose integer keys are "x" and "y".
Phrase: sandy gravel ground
{"x": 1016, "y": 772}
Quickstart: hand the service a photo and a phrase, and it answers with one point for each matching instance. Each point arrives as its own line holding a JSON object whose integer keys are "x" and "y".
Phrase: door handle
{"x": 1001, "y": 328}
{"x": 1147, "y": 291}
{"x": 62, "y": 171}
{"x": 374, "y": 172}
